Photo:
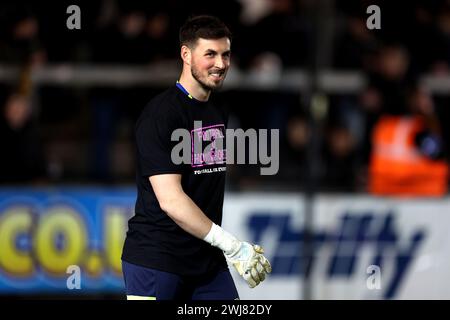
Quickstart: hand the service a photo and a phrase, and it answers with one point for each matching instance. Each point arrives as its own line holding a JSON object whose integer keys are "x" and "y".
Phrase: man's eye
{"x": 209, "y": 54}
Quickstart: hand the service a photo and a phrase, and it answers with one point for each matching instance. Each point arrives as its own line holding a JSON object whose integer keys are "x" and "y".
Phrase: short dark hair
{"x": 203, "y": 26}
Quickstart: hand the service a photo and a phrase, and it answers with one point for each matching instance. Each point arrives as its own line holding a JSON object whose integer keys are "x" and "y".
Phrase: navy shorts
{"x": 142, "y": 283}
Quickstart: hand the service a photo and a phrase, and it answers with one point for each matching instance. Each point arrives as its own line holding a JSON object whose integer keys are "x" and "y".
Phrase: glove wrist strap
{"x": 221, "y": 239}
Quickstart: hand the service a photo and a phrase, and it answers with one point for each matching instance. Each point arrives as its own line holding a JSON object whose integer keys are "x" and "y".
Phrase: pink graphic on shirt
{"x": 213, "y": 137}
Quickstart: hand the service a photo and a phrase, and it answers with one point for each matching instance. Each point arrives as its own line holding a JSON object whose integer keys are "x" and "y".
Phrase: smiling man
{"x": 175, "y": 247}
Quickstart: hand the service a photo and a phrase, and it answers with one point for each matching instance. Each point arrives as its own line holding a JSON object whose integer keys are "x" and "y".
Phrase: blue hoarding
{"x": 64, "y": 239}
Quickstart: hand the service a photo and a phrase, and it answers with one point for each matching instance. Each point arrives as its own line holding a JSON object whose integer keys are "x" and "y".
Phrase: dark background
{"x": 77, "y": 131}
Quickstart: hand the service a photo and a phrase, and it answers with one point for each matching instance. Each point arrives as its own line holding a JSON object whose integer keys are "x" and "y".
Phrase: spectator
{"x": 407, "y": 152}
{"x": 283, "y": 32}
{"x": 293, "y": 151}
{"x": 22, "y": 160}
{"x": 340, "y": 160}
{"x": 20, "y": 43}
{"x": 355, "y": 48}
{"x": 441, "y": 64}
{"x": 385, "y": 93}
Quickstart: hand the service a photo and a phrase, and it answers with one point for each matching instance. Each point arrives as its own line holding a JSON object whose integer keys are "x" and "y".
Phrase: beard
{"x": 204, "y": 81}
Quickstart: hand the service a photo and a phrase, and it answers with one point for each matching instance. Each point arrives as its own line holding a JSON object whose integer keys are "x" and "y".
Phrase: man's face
{"x": 210, "y": 60}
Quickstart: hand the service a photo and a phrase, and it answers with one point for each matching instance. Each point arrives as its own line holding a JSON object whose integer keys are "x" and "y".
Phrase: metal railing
{"x": 163, "y": 74}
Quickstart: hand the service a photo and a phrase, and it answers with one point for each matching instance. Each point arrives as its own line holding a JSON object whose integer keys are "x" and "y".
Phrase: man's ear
{"x": 186, "y": 54}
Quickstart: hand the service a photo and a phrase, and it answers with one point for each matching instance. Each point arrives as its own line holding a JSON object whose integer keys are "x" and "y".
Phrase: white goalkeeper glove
{"x": 247, "y": 259}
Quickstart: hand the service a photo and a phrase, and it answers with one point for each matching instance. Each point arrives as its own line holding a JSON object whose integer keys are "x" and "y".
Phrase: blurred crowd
{"x": 39, "y": 125}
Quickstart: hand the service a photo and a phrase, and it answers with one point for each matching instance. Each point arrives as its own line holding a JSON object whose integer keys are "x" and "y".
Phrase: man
{"x": 175, "y": 247}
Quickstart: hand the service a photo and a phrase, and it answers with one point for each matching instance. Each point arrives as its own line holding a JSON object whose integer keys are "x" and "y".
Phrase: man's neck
{"x": 194, "y": 88}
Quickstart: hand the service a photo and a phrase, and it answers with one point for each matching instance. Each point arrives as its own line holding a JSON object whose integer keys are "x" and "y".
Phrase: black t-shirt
{"x": 153, "y": 239}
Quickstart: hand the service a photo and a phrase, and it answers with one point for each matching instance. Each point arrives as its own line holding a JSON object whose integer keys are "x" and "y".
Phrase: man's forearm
{"x": 187, "y": 215}
{"x": 248, "y": 259}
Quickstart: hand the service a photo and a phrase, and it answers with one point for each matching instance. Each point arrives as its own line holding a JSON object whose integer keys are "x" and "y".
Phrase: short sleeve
{"x": 154, "y": 145}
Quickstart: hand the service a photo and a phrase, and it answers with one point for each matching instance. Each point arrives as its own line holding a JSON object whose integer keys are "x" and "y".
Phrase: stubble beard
{"x": 196, "y": 75}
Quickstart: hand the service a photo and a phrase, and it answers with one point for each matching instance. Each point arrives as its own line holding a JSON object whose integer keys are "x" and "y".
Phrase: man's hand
{"x": 248, "y": 259}
{"x": 250, "y": 263}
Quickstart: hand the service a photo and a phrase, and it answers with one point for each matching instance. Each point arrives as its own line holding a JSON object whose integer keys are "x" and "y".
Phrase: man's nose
{"x": 220, "y": 63}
